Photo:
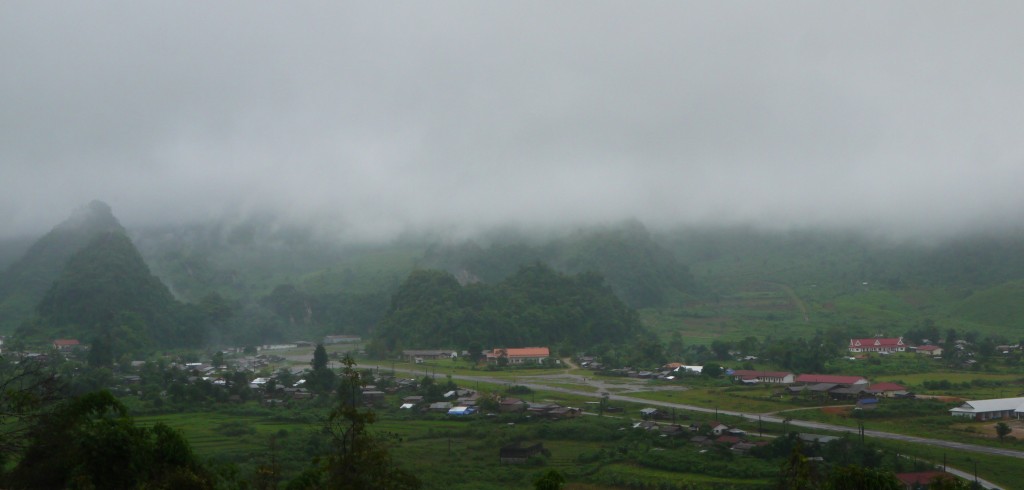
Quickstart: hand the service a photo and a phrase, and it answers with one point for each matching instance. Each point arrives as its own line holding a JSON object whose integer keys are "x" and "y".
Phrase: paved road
{"x": 953, "y": 446}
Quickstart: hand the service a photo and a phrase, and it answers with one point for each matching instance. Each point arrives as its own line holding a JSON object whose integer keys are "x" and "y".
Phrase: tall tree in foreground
{"x": 27, "y": 389}
{"x": 91, "y": 442}
{"x": 359, "y": 459}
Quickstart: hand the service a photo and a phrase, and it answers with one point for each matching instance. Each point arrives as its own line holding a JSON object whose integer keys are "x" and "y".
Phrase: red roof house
{"x": 66, "y": 344}
{"x": 931, "y": 350}
{"x": 828, "y": 378}
{"x": 520, "y": 355}
{"x": 748, "y": 375}
{"x": 877, "y": 344}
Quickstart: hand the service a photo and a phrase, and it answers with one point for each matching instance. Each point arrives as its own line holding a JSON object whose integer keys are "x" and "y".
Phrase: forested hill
{"x": 639, "y": 270}
{"x": 107, "y": 293}
{"x": 536, "y": 306}
{"x": 23, "y": 284}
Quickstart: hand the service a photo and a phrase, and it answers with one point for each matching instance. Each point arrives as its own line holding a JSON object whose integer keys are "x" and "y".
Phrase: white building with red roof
{"x": 832, "y": 379}
{"x": 521, "y": 355}
{"x": 748, "y": 376}
{"x": 878, "y": 344}
{"x": 930, "y": 350}
{"x": 887, "y": 389}
{"x": 66, "y": 344}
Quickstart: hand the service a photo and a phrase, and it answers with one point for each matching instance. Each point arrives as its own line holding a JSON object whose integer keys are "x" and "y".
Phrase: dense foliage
{"x": 640, "y": 271}
{"x": 27, "y": 279}
{"x": 107, "y": 297}
{"x": 535, "y": 306}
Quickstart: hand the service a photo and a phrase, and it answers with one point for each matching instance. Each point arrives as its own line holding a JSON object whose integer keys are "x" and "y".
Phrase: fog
{"x": 374, "y": 118}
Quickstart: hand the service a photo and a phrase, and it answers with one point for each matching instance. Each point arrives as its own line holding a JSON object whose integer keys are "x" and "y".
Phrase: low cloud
{"x": 382, "y": 117}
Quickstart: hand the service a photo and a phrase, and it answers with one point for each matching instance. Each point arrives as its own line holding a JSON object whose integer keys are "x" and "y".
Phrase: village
{"x": 447, "y": 386}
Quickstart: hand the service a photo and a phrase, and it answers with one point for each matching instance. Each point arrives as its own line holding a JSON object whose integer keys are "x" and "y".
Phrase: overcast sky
{"x": 377, "y": 116}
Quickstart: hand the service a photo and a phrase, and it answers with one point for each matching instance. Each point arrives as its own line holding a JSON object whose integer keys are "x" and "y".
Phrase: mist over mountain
{"x": 107, "y": 285}
{"x": 267, "y": 280}
{"x": 896, "y": 119}
{"x": 26, "y": 279}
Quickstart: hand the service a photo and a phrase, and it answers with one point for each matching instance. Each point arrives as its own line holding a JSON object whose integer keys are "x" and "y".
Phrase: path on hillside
{"x": 795, "y": 299}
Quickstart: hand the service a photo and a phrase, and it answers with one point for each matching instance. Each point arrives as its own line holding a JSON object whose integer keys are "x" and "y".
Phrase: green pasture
{"x": 753, "y": 400}
{"x": 458, "y": 367}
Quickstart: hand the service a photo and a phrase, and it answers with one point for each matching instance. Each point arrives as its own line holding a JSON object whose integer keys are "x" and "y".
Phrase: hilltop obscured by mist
{"x": 262, "y": 280}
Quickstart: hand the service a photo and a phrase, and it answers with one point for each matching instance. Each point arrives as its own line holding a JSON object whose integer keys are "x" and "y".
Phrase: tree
{"x": 712, "y": 370}
{"x": 358, "y": 458}
{"x": 854, "y": 477}
{"x": 552, "y": 480}
{"x": 91, "y": 442}
{"x": 218, "y": 359}
{"x": 27, "y": 389}
{"x": 797, "y": 473}
{"x": 322, "y": 379}
{"x": 1003, "y": 430}
{"x": 676, "y": 348}
{"x": 320, "y": 358}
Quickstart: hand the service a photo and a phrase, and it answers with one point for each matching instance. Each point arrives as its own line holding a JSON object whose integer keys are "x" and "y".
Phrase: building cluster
{"x": 513, "y": 356}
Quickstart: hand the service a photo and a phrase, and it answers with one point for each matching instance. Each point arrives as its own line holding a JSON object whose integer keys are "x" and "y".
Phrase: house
{"x": 66, "y": 345}
{"x": 413, "y": 399}
{"x": 523, "y": 355}
{"x": 743, "y": 447}
{"x": 440, "y": 407}
{"x": 853, "y": 392}
{"x": 517, "y": 454}
{"x": 411, "y": 355}
{"x": 999, "y": 408}
{"x": 719, "y": 429}
{"x": 728, "y": 440}
{"x": 887, "y": 389}
{"x": 510, "y": 405}
{"x": 563, "y": 413}
{"x": 462, "y": 411}
{"x": 672, "y": 430}
{"x": 779, "y": 377}
{"x": 827, "y": 378}
{"x": 867, "y": 404}
{"x": 816, "y": 438}
{"x": 700, "y": 440}
{"x": 373, "y": 398}
{"x": 878, "y": 344}
{"x": 922, "y": 479}
{"x": 650, "y": 413}
{"x": 342, "y": 339}
{"x": 930, "y": 350}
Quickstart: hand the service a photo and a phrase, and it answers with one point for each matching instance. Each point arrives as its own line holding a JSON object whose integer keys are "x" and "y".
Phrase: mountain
{"x": 535, "y": 306}
{"x": 639, "y": 270}
{"x": 27, "y": 279}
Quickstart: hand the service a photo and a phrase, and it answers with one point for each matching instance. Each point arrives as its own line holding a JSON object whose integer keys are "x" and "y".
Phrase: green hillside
{"x": 639, "y": 270}
{"x": 26, "y": 280}
{"x": 106, "y": 292}
{"x": 535, "y": 306}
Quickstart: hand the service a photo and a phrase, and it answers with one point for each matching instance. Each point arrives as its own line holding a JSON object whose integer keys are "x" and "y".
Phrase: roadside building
{"x": 998, "y": 408}
{"x": 828, "y": 378}
{"x": 66, "y": 345}
{"x": 878, "y": 344}
{"x": 887, "y": 389}
{"x": 777, "y": 377}
{"x": 342, "y": 339}
{"x": 523, "y": 355}
{"x": 930, "y": 350}
{"x": 412, "y": 355}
